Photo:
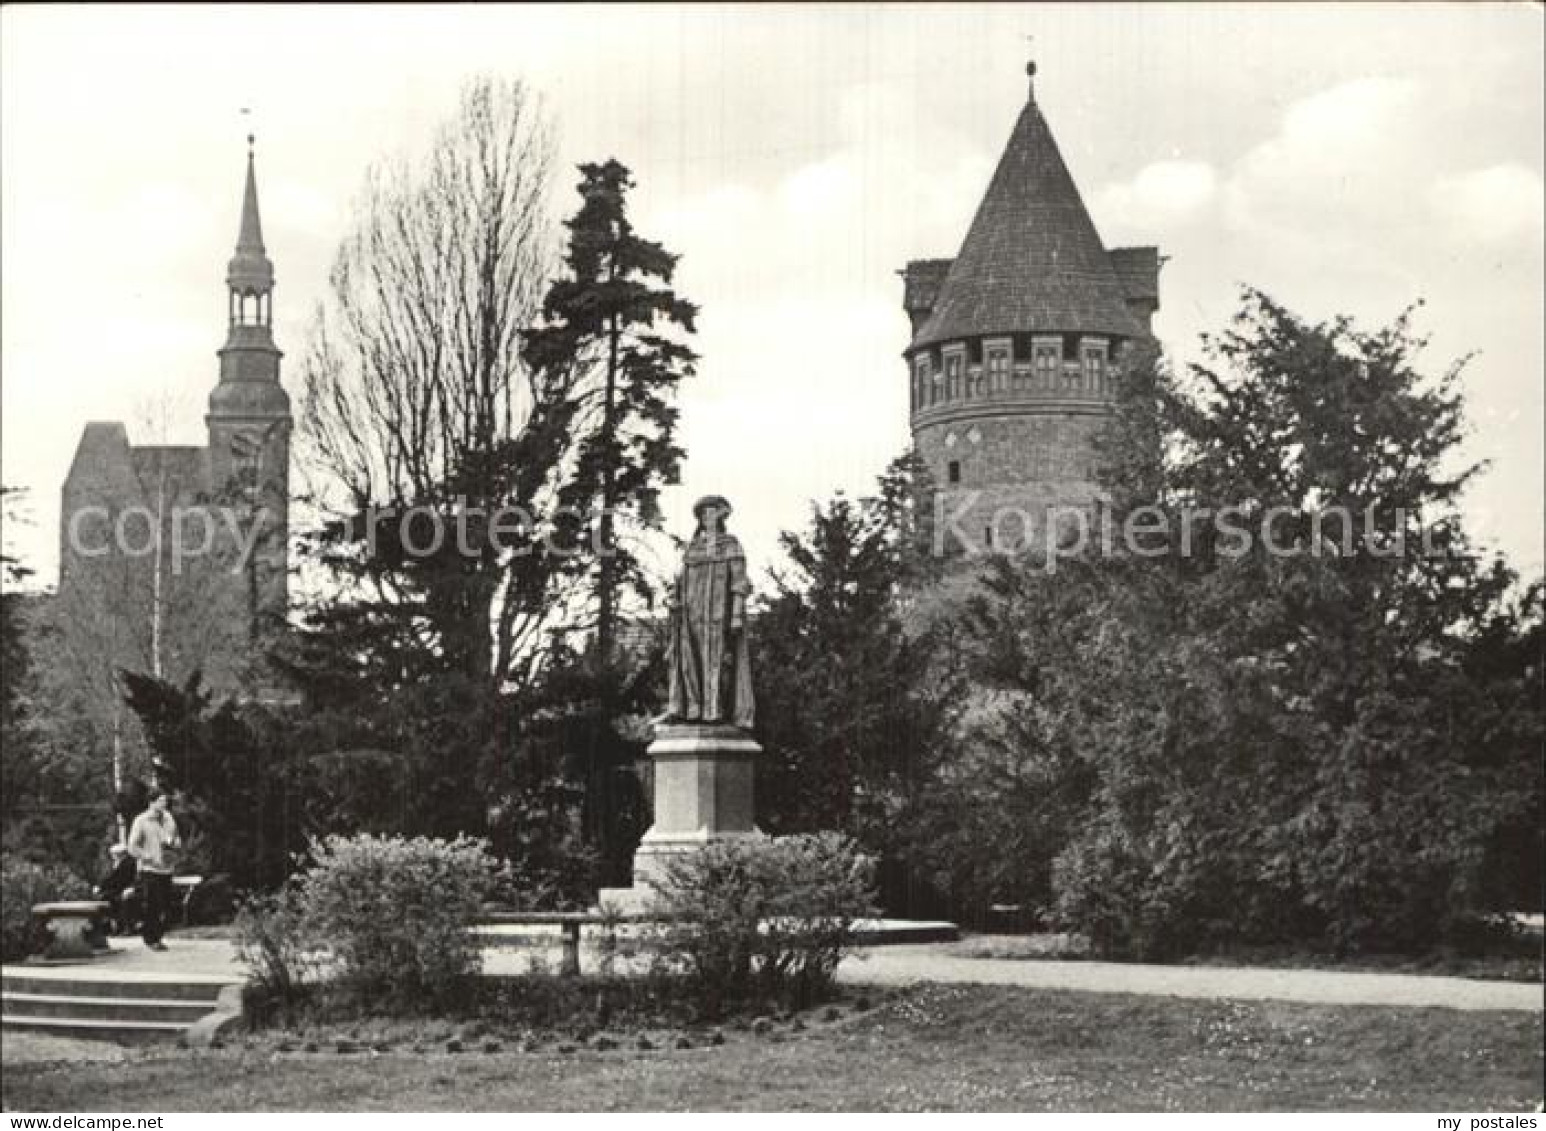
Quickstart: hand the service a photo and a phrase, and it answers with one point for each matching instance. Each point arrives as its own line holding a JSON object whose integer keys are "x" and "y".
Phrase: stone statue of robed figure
{"x": 709, "y": 660}
{"x": 703, "y": 754}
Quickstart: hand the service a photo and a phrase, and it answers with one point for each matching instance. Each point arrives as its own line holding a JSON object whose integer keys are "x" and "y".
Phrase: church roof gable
{"x": 101, "y": 458}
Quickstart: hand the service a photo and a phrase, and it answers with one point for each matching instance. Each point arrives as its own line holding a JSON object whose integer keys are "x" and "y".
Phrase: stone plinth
{"x": 75, "y": 930}
{"x": 703, "y": 793}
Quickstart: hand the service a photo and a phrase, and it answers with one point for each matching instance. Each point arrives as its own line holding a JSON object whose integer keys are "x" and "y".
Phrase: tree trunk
{"x": 606, "y": 582}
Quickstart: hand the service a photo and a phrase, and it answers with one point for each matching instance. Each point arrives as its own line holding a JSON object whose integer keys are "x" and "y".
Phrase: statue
{"x": 705, "y": 765}
{"x": 707, "y": 652}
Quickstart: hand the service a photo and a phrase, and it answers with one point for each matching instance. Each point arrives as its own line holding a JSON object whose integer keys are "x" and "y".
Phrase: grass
{"x": 927, "y": 1048}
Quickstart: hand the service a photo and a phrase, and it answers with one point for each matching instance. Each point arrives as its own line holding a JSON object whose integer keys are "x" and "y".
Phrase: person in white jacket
{"x": 152, "y": 839}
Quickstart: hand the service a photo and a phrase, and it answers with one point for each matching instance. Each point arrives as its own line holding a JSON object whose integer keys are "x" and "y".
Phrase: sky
{"x": 1344, "y": 158}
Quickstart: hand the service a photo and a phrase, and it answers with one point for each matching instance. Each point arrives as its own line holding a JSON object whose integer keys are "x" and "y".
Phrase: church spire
{"x": 249, "y": 354}
{"x": 251, "y": 237}
{"x": 250, "y": 273}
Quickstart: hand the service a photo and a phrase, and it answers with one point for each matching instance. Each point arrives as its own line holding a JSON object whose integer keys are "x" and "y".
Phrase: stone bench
{"x": 75, "y": 929}
{"x": 569, "y": 922}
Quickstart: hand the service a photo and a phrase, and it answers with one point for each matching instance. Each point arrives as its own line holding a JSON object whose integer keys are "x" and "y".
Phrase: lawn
{"x": 931, "y": 1048}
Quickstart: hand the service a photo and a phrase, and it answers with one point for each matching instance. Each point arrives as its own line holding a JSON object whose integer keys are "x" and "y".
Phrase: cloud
{"x": 1162, "y": 195}
{"x": 1495, "y": 204}
{"x": 1340, "y": 166}
{"x": 1343, "y": 118}
{"x": 824, "y": 190}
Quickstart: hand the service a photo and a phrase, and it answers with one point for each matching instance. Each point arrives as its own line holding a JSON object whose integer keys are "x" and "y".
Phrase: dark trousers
{"x": 157, "y": 887}
{"x": 124, "y": 909}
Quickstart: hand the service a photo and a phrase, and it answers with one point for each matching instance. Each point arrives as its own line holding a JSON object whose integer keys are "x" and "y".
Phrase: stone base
{"x": 649, "y": 862}
{"x": 75, "y": 929}
{"x": 703, "y": 793}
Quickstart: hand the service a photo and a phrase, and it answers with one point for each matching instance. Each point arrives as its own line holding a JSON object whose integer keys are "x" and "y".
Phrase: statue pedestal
{"x": 703, "y": 793}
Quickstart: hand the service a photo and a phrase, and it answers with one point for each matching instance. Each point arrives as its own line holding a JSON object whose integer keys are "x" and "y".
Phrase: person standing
{"x": 151, "y": 841}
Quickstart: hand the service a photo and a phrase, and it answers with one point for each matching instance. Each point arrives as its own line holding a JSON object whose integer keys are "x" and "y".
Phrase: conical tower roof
{"x": 1032, "y": 259}
{"x": 250, "y": 268}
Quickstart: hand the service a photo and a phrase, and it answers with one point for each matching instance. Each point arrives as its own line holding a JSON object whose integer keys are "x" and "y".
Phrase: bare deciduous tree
{"x": 415, "y": 394}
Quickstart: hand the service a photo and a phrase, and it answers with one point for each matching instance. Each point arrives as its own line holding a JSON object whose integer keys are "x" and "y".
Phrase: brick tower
{"x": 1012, "y": 346}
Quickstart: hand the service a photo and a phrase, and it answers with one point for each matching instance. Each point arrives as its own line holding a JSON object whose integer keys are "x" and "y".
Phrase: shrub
{"x": 23, "y": 884}
{"x": 539, "y": 831}
{"x": 762, "y": 920}
{"x": 273, "y": 943}
{"x": 395, "y": 916}
{"x": 1108, "y": 886}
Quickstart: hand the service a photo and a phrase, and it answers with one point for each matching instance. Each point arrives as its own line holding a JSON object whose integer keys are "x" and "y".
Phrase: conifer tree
{"x": 615, "y": 315}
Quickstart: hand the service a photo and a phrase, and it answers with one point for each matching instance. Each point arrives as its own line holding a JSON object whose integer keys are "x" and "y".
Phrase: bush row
{"x": 384, "y": 925}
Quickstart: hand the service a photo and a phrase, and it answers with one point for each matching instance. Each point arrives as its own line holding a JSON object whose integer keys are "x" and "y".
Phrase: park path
{"x": 904, "y": 965}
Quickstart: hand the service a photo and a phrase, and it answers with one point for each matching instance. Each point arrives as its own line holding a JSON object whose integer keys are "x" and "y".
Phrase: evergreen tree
{"x": 616, "y": 318}
{"x": 849, "y": 712}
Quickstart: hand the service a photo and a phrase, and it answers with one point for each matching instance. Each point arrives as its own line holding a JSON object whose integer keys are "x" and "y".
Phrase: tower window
{"x": 1094, "y": 355}
{"x": 1046, "y": 358}
{"x": 953, "y": 471}
{"x": 998, "y": 370}
{"x": 953, "y": 376}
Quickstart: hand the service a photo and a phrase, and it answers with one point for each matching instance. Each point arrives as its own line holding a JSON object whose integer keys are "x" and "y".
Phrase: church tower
{"x": 1012, "y": 347}
{"x": 152, "y": 566}
{"x": 249, "y": 416}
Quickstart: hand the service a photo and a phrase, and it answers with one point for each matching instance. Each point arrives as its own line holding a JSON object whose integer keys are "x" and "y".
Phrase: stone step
{"x": 192, "y": 988}
{"x": 89, "y": 1001}
{"x": 113, "y": 1030}
{"x": 79, "y": 1006}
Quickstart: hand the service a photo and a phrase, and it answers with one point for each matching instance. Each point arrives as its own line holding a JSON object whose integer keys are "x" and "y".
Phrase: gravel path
{"x": 903, "y": 965}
